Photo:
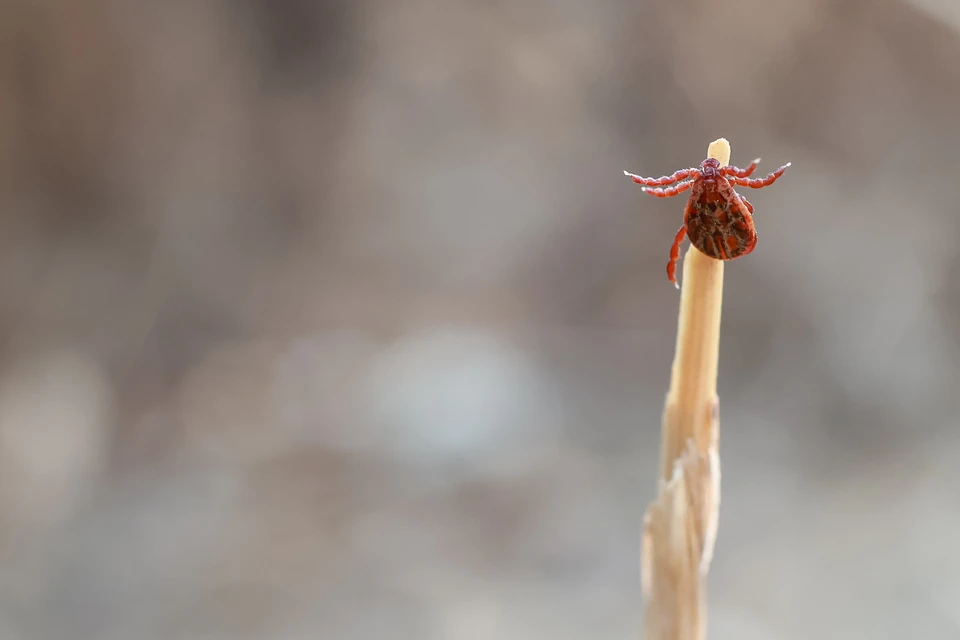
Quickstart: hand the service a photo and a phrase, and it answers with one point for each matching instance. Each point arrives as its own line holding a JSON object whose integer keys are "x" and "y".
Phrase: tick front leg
{"x": 669, "y": 191}
{"x": 683, "y": 174}
{"x": 740, "y": 173}
{"x": 757, "y": 183}
{"x": 675, "y": 255}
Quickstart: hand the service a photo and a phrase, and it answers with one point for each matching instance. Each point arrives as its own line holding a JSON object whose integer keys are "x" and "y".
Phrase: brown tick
{"x": 718, "y": 220}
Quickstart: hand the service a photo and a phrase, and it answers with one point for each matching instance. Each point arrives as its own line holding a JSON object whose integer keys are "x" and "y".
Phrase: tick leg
{"x": 747, "y": 203}
{"x": 738, "y": 172}
{"x": 757, "y": 183}
{"x": 669, "y": 191}
{"x": 675, "y": 255}
{"x": 683, "y": 174}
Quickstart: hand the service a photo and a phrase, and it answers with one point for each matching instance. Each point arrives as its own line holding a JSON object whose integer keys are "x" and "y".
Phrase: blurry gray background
{"x": 338, "y": 319}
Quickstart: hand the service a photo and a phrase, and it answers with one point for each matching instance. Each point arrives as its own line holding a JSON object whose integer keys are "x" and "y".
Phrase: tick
{"x": 718, "y": 220}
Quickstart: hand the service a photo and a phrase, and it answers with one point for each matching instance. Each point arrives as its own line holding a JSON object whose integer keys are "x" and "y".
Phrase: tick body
{"x": 717, "y": 219}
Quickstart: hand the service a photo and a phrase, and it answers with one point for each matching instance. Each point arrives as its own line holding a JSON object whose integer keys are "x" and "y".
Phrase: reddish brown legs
{"x": 747, "y": 202}
{"x": 683, "y": 174}
{"x": 740, "y": 173}
{"x": 674, "y": 256}
{"x": 670, "y": 191}
{"x": 757, "y": 183}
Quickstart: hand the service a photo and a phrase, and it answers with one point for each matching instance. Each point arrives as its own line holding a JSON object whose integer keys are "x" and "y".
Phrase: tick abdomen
{"x": 717, "y": 223}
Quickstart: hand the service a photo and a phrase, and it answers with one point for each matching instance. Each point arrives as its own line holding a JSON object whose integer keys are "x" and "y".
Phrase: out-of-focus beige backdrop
{"x": 338, "y": 319}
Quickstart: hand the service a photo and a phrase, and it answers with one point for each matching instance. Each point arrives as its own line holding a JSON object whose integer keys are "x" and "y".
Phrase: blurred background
{"x": 338, "y": 319}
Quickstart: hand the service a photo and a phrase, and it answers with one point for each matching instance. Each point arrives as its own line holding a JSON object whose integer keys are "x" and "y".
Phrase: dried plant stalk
{"x": 680, "y": 525}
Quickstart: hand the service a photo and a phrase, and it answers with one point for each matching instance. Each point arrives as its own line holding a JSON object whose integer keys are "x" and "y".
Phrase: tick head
{"x": 710, "y": 168}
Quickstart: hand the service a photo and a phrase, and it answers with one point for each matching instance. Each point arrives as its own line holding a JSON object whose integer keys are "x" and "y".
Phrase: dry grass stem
{"x": 680, "y": 525}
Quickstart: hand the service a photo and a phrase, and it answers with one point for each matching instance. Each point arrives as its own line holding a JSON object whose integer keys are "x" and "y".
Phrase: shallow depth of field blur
{"x": 338, "y": 319}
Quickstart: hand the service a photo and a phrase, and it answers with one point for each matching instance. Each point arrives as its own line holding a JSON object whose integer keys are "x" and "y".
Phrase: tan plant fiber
{"x": 680, "y": 526}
